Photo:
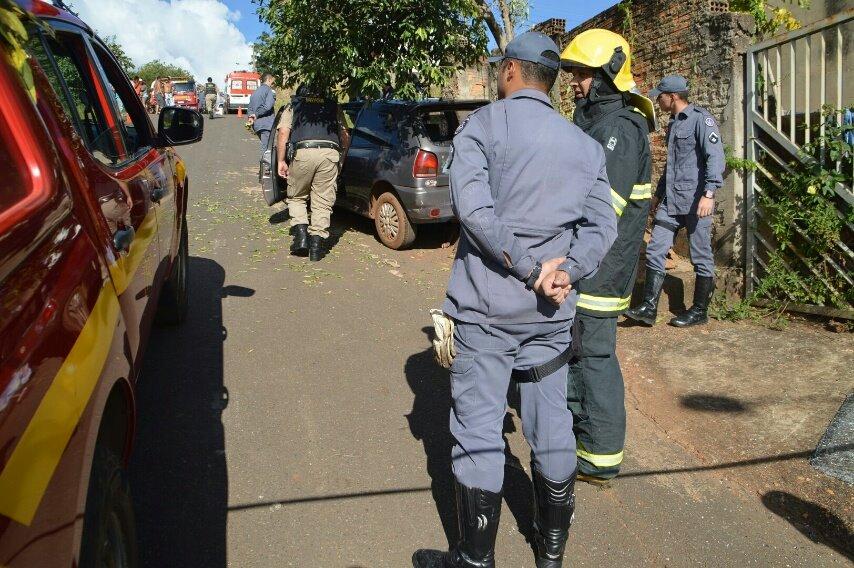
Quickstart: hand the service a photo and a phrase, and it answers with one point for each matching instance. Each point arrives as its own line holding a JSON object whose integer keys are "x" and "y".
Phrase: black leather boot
{"x": 648, "y": 310}
{"x": 699, "y": 310}
{"x": 299, "y": 246}
{"x": 478, "y": 513}
{"x": 554, "y": 507}
{"x": 316, "y": 248}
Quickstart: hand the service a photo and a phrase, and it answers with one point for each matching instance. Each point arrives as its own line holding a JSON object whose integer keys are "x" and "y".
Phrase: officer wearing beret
{"x": 533, "y": 200}
{"x": 686, "y": 193}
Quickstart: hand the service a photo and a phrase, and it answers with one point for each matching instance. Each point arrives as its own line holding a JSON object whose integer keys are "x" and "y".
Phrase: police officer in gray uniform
{"x": 686, "y": 198}
{"x": 532, "y": 195}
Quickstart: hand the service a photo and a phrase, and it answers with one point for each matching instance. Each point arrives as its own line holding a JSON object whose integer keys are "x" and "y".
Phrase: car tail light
{"x": 426, "y": 165}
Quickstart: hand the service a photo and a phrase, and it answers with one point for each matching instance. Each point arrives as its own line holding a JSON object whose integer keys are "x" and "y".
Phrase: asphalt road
{"x": 297, "y": 418}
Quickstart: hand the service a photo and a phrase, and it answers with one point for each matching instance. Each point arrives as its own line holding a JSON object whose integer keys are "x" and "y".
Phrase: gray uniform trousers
{"x": 699, "y": 240}
{"x": 596, "y": 397}
{"x": 480, "y": 376}
{"x": 264, "y": 136}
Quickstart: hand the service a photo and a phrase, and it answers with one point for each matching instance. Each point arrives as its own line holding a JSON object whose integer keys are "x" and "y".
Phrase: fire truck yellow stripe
{"x": 27, "y": 473}
{"x": 31, "y": 466}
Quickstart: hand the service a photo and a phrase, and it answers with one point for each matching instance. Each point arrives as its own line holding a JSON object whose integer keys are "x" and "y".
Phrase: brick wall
{"x": 696, "y": 40}
{"x": 699, "y": 39}
{"x": 471, "y": 83}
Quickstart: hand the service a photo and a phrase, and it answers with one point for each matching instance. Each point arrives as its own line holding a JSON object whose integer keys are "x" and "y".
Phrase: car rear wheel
{"x": 109, "y": 531}
{"x": 174, "y": 297}
{"x": 392, "y": 224}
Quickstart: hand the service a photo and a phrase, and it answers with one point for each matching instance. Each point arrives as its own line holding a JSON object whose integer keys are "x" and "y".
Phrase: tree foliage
{"x": 157, "y": 68}
{"x": 359, "y": 47}
{"x": 126, "y": 62}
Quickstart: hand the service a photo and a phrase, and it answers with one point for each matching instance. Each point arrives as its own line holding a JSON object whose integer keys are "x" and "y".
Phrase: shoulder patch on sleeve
{"x": 462, "y": 125}
{"x": 714, "y": 138}
{"x": 709, "y": 121}
{"x": 467, "y": 119}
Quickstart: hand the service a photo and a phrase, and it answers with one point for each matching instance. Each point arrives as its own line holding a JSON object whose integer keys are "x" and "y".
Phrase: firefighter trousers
{"x": 596, "y": 397}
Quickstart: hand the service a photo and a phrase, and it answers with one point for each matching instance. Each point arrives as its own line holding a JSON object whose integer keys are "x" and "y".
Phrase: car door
{"x": 155, "y": 165}
{"x": 61, "y": 340}
{"x": 114, "y": 157}
{"x": 370, "y": 139}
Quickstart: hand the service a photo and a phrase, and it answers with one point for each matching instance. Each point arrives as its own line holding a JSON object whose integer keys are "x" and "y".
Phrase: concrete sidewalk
{"x": 752, "y": 403}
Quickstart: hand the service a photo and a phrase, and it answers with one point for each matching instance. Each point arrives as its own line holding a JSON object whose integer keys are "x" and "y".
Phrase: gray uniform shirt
{"x": 695, "y": 160}
{"x": 526, "y": 186}
{"x": 261, "y": 104}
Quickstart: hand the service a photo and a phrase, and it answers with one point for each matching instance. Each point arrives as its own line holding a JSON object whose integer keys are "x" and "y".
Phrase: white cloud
{"x": 198, "y": 35}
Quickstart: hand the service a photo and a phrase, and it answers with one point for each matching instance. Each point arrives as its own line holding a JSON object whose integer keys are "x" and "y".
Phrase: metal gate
{"x": 789, "y": 80}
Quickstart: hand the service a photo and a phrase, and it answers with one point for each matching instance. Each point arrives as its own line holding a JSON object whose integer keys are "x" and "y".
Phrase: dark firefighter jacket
{"x": 624, "y": 134}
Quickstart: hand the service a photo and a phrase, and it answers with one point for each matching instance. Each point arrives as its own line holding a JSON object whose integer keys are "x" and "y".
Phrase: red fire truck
{"x": 239, "y": 86}
{"x": 93, "y": 247}
{"x": 184, "y": 92}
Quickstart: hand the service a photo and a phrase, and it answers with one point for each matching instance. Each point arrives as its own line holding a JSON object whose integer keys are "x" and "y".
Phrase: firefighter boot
{"x": 698, "y": 312}
{"x": 316, "y": 248}
{"x": 554, "y": 508}
{"x": 648, "y": 310}
{"x": 299, "y": 246}
{"x": 478, "y": 513}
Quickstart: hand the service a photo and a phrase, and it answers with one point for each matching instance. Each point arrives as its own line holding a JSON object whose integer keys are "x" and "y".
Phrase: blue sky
{"x": 573, "y": 11}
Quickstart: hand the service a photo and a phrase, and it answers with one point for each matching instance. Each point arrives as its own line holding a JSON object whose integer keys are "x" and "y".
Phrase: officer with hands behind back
{"x": 262, "y": 103}
{"x": 533, "y": 200}
{"x": 619, "y": 119}
{"x": 686, "y": 193}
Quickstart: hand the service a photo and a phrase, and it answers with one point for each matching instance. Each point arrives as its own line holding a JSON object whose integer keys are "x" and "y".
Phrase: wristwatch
{"x": 710, "y": 193}
{"x": 535, "y": 275}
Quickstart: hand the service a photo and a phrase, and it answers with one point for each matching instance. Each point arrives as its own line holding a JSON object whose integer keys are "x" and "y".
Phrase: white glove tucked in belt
{"x": 443, "y": 345}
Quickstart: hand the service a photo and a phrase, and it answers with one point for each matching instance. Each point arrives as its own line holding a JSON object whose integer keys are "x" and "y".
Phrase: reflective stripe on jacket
{"x": 624, "y": 135}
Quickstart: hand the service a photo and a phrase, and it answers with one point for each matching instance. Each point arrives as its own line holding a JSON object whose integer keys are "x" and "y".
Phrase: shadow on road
{"x": 714, "y": 403}
{"x": 813, "y": 521}
{"x": 178, "y": 471}
{"x": 429, "y": 423}
{"x": 742, "y": 463}
{"x": 429, "y": 235}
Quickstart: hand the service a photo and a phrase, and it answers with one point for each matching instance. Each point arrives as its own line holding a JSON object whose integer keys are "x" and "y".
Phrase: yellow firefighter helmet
{"x": 602, "y": 49}
{"x": 610, "y": 52}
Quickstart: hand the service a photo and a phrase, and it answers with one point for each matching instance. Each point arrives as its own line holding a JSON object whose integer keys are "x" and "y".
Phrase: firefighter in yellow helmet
{"x": 609, "y": 109}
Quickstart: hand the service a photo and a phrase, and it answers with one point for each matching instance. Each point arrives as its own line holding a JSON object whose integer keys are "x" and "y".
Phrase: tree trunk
{"x": 498, "y": 32}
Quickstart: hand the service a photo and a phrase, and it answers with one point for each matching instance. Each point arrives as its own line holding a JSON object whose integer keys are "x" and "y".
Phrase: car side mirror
{"x": 178, "y": 126}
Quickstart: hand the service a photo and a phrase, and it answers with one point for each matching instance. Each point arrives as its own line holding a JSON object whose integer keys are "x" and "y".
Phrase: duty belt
{"x": 540, "y": 372}
{"x": 318, "y": 144}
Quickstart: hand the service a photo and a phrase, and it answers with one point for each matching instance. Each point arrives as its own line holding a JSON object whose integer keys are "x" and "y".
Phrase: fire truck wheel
{"x": 109, "y": 532}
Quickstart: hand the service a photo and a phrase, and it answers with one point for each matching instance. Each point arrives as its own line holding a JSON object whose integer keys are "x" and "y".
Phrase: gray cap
{"x": 670, "y": 84}
{"x": 530, "y": 46}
